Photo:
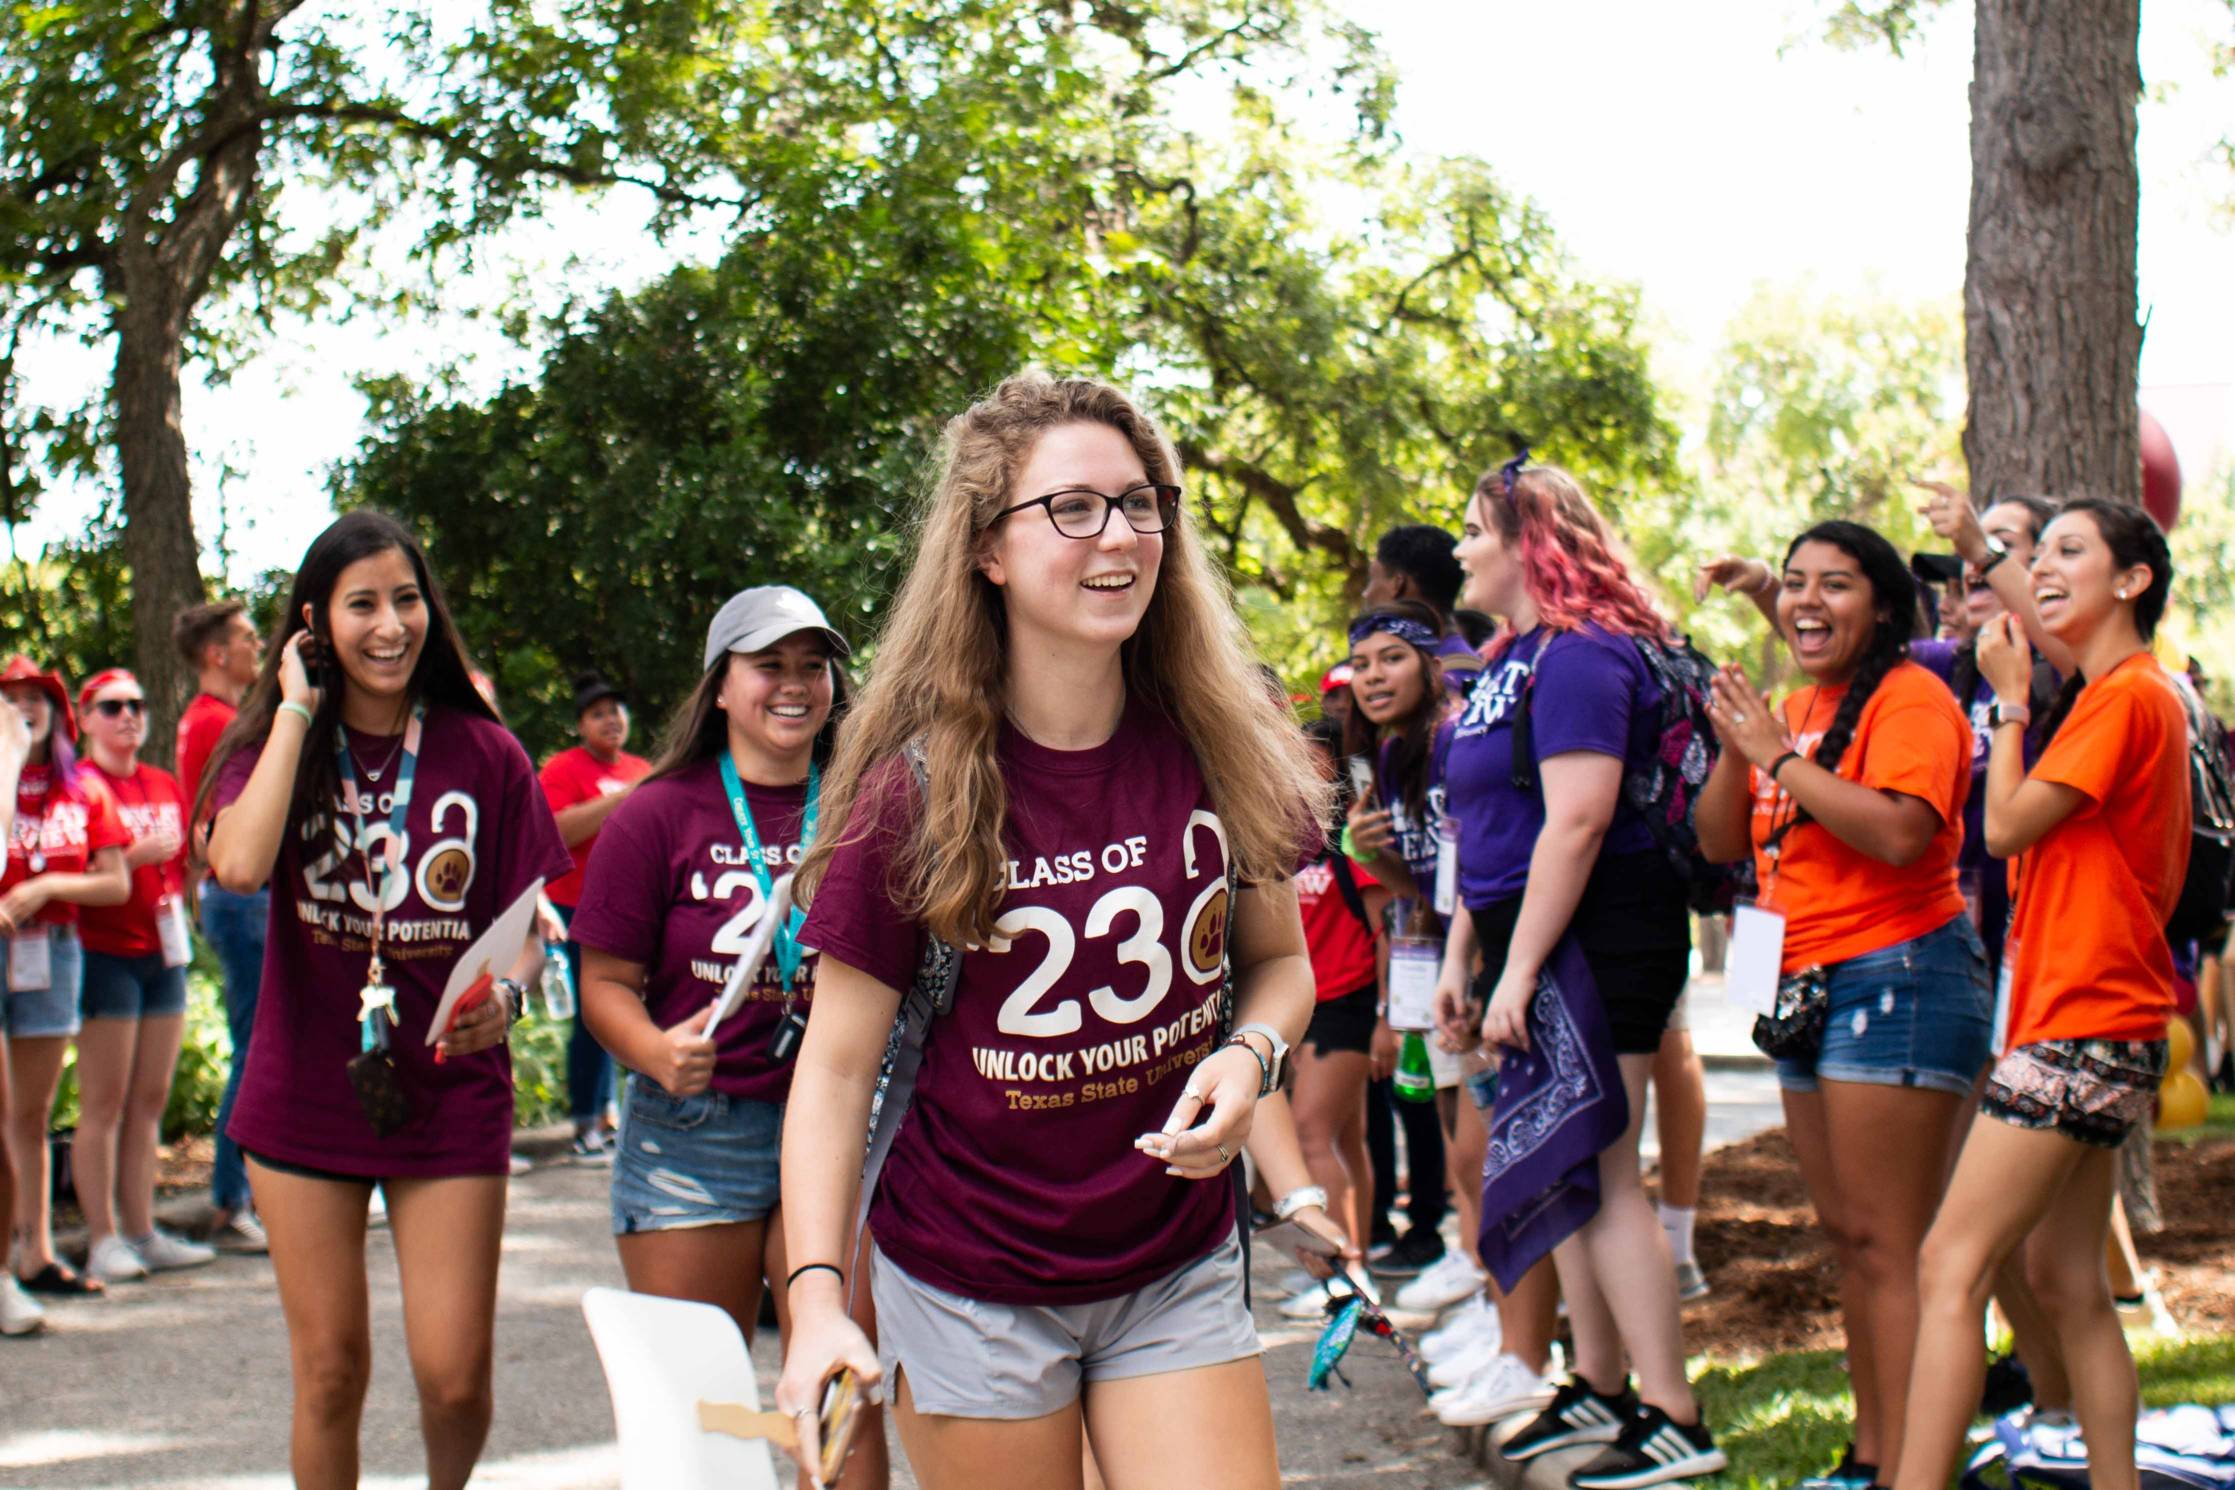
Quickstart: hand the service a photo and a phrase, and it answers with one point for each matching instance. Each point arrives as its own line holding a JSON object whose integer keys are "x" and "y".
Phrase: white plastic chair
{"x": 662, "y": 1358}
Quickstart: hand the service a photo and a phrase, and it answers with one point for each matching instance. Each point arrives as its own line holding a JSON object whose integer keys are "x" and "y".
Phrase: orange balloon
{"x": 2180, "y": 1046}
{"x": 2180, "y": 1102}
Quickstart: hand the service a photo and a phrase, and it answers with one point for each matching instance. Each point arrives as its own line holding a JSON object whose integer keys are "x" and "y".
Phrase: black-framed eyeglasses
{"x": 1082, "y": 512}
{"x": 117, "y": 708}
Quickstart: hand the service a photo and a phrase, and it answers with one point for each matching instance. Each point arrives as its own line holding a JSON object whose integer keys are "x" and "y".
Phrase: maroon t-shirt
{"x": 1013, "y": 1178}
{"x": 669, "y": 887}
{"x": 476, "y": 835}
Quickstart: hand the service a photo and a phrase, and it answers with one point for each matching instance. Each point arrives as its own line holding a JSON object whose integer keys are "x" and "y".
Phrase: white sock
{"x": 1677, "y": 1220}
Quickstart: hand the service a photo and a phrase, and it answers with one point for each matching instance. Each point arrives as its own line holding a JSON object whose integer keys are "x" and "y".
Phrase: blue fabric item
{"x": 1560, "y": 1104}
{"x": 589, "y": 1068}
{"x": 682, "y": 1162}
{"x": 234, "y": 926}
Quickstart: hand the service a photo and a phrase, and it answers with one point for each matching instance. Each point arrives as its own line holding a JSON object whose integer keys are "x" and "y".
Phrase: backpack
{"x": 2202, "y": 908}
{"x": 1665, "y": 789}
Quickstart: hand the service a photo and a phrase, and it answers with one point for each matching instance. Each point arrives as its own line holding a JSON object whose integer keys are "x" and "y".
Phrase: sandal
{"x": 55, "y": 1278}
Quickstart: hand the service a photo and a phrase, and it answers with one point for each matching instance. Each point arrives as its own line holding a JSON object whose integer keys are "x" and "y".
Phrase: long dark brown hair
{"x": 441, "y": 678}
{"x": 698, "y": 730}
{"x": 2133, "y": 537}
{"x": 1412, "y": 737}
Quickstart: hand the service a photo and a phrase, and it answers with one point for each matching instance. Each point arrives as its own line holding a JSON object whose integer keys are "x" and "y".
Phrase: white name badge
{"x": 1756, "y": 959}
{"x": 31, "y": 961}
{"x": 170, "y": 930}
{"x": 1447, "y": 870}
{"x": 1413, "y": 964}
{"x": 2001, "y": 1025}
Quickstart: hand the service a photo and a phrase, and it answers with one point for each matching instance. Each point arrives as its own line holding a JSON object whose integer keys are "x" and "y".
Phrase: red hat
{"x": 107, "y": 677}
{"x": 1335, "y": 677}
{"x": 21, "y": 669}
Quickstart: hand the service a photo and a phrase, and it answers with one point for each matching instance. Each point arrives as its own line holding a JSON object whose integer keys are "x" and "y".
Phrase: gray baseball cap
{"x": 755, "y": 619}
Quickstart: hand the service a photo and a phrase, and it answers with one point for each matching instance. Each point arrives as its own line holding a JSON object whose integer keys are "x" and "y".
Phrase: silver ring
{"x": 1188, "y": 1091}
{"x": 1223, "y": 1156}
{"x": 1738, "y": 719}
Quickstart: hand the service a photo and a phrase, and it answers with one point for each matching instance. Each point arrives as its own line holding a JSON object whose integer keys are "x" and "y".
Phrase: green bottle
{"x": 1414, "y": 1081}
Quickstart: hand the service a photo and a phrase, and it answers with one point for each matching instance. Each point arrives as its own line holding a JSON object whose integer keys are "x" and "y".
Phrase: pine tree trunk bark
{"x": 2052, "y": 348}
{"x": 159, "y": 541}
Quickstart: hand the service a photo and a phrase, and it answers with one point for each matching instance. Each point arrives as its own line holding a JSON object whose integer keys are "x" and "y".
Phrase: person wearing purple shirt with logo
{"x": 1552, "y": 854}
{"x": 395, "y": 818}
{"x": 678, "y": 884}
{"x": 1054, "y": 1228}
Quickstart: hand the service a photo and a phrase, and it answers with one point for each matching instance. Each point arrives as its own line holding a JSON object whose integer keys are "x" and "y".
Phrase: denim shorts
{"x": 679, "y": 1162}
{"x": 49, "y": 1013}
{"x": 132, "y": 987}
{"x": 966, "y": 1358}
{"x": 1918, "y": 1013}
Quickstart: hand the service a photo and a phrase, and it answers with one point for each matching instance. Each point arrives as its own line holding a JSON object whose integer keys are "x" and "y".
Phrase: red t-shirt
{"x": 575, "y": 776}
{"x": 64, "y": 827}
{"x": 148, "y": 800}
{"x": 1342, "y": 951}
{"x": 1013, "y": 1177}
{"x": 2087, "y": 958}
{"x": 198, "y": 729}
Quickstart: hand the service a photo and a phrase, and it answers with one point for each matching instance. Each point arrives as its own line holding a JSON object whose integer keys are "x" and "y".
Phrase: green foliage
{"x": 2201, "y": 618}
{"x": 539, "y": 1070}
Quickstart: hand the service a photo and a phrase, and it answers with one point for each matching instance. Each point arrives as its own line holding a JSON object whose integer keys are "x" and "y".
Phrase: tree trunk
{"x": 2051, "y": 345}
{"x": 159, "y": 541}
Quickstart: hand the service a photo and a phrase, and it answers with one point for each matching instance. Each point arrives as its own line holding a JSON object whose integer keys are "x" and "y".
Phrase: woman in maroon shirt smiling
{"x": 1054, "y": 1226}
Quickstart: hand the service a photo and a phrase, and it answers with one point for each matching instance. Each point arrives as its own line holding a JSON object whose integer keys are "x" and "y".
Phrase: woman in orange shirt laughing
{"x": 2097, "y": 830}
{"x": 1851, "y": 801}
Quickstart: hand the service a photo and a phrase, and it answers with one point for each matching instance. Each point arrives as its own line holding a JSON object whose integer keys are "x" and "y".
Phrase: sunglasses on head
{"x": 117, "y": 708}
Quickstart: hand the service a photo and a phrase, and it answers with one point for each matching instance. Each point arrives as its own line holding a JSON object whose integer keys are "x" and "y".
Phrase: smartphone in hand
{"x": 839, "y": 1418}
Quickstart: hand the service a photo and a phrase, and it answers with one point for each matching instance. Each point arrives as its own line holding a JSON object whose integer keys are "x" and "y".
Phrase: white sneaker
{"x": 1452, "y": 1278}
{"x": 20, "y": 1314}
{"x": 1312, "y": 1302}
{"x": 1507, "y": 1388}
{"x": 1294, "y": 1281}
{"x": 1471, "y": 1321}
{"x": 163, "y": 1252}
{"x": 1464, "y": 1365}
{"x": 521, "y": 1164}
{"x": 113, "y": 1260}
{"x": 240, "y": 1232}
{"x": 2148, "y": 1315}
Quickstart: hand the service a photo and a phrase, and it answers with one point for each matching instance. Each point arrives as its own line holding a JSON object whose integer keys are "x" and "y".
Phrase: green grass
{"x": 2219, "y": 1121}
{"x": 1786, "y": 1417}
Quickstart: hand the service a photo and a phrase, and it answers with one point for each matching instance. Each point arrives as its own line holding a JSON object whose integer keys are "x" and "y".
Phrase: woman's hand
{"x": 1950, "y": 513}
{"x": 1226, "y": 1082}
{"x": 1316, "y": 1221}
{"x": 19, "y": 906}
{"x": 1371, "y": 833}
{"x": 683, "y": 1063}
{"x": 159, "y": 847}
{"x": 1744, "y": 719}
{"x": 2005, "y": 660}
{"x": 1381, "y": 1052}
{"x": 1455, "y": 1014}
{"x": 1748, "y": 577}
{"x": 824, "y": 1342}
{"x": 295, "y": 686}
{"x": 1506, "y": 1022}
{"x": 478, "y": 1028}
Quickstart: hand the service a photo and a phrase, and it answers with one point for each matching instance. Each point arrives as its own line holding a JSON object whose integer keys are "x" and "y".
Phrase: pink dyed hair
{"x": 1574, "y": 566}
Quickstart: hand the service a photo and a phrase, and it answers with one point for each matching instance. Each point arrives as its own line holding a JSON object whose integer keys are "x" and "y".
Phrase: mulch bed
{"x": 1776, "y": 1288}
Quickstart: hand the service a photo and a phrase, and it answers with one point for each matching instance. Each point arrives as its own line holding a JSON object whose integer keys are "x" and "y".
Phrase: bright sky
{"x": 1695, "y": 151}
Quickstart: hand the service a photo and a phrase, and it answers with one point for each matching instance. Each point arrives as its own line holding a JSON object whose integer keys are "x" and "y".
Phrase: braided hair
{"x": 1963, "y": 677}
{"x": 1894, "y": 595}
{"x": 2133, "y": 537}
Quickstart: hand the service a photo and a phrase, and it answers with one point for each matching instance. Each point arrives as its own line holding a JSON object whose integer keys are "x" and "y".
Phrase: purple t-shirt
{"x": 669, "y": 887}
{"x": 1461, "y": 664}
{"x": 1013, "y": 1178}
{"x": 1592, "y": 693}
{"x": 1417, "y": 841}
{"x": 476, "y": 835}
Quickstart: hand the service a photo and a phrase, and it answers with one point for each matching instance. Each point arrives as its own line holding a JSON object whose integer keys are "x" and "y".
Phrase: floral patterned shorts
{"x": 2091, "y": 1090}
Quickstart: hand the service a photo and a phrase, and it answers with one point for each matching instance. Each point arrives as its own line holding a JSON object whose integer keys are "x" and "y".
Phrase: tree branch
{"x": 1280, "y": 498}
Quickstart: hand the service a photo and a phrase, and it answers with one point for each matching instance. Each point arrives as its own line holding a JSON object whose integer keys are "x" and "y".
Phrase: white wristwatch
{"x": 1276, "y": 1069}
{"x": 1298, "y": 1198}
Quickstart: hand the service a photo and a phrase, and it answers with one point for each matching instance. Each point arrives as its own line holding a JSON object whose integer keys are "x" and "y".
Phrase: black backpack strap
{"x": 1346, "y": 882}
{"x": 1524, "y": 734}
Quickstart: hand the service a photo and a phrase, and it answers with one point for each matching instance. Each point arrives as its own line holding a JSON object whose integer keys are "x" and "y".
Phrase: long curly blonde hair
{"x": 941, "y": 673}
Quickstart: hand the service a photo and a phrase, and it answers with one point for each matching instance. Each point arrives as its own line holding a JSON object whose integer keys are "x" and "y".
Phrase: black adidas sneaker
{"x": 1578, "y": 1415}
{"x": 1652, "y": 1449}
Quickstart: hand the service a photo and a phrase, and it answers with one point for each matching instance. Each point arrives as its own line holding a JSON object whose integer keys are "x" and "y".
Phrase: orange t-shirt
{"x": 2087, "y": 958}
{"x": 1838, "y": 902}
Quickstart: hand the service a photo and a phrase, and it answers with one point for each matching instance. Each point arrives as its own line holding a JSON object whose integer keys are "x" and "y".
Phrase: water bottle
{"x": 1414, "y": 1082}
{"x": 1479, "y": 1075}
{"x": 558, "y": 984}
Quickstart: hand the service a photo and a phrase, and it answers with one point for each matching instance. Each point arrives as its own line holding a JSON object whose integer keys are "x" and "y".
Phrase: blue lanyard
{"x": 377, "y": 1015}
{"x": 788, "y": 953}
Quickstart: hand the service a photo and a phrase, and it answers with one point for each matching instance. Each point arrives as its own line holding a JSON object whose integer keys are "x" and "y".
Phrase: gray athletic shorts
{"x": 966, "y": 1358}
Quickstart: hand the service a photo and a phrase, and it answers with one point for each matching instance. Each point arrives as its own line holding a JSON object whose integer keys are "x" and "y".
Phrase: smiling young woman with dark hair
{"x": 368, "y": 779}
{"x": 1850, "y": 799}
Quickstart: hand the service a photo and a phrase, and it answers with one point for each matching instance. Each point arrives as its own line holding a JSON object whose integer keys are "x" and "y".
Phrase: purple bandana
{"x": 1401, "y": 627}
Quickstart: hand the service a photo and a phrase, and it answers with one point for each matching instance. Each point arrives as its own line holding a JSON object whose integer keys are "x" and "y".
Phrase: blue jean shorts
{"x": 52, "y": 1012}
{"x": 132, "y": 987}
{"x": 708, "y": 1160}
{"x": 1918, "y": 1013}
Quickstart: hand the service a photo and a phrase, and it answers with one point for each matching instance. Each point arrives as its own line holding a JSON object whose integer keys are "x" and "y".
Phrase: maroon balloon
{"x": 2161, "y": 474}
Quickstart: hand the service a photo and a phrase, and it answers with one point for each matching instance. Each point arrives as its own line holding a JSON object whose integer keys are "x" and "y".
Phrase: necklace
{"x": 370, "y": 774}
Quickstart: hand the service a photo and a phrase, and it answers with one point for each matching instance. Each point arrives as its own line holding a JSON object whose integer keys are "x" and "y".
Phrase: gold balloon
{"x": 2180, "y": 1046}
{"x": 2180, "y": 1102}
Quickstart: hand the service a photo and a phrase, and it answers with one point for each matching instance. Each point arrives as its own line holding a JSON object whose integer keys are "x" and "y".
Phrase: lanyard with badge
{"x": 170, "y": 906}
{"x": 1754, "y": 964}
{"x": 376, "y": 1001}
{"x": 31, "y": 948}
{"x": 789, "y": 954}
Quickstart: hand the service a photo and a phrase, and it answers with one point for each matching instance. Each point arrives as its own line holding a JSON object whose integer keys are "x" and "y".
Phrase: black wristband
{"x": 831, "y": 1268}
{"x": 1779, "y": 764}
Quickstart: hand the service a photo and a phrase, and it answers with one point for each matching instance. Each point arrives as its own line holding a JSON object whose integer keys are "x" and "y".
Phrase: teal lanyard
{"x": 377, "y": 1009}
{"x": 788, "y": 953}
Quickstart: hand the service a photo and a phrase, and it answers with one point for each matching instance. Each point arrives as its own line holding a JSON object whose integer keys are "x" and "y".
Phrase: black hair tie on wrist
{"x": 831, "y": 1268}
{"x": 1779, "y": 764}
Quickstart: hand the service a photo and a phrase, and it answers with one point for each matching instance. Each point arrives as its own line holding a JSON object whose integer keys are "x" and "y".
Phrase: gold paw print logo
{"x": 1206, "y": 938}
{"x": 448, "y": 873}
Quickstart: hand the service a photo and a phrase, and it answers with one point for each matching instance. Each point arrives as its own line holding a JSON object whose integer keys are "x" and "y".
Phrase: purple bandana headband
{"x": 1403, "y": 628}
